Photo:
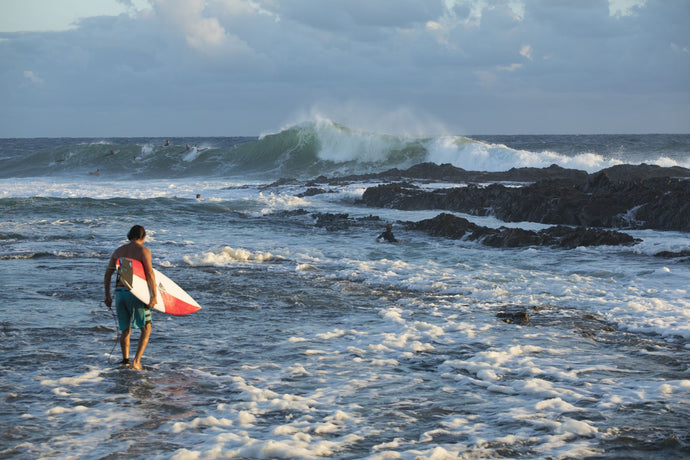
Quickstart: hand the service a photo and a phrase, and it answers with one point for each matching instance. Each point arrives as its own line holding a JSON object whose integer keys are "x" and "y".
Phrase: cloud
{"x": 244, "y": 67}
{"x": 625, "y": 7}
{"x": 201, "y": 32}
{"x": 526, "y": 51}
{"x": 34, "y": 79}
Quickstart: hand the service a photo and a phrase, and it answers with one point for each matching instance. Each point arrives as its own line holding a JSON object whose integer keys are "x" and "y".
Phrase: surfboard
{"x": 172, "y": 299}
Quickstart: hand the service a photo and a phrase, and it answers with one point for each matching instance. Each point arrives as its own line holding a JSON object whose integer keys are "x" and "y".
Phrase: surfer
{"x": 131, "y": 312}
{"x": 387, "y": 235}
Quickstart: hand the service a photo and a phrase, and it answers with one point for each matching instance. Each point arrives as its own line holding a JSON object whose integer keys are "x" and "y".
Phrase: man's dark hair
{"x": 136, "y": 233}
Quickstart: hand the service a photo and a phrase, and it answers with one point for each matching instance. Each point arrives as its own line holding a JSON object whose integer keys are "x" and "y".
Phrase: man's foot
{"x": 125, "y": 362}
{"x": 137, "y": 365}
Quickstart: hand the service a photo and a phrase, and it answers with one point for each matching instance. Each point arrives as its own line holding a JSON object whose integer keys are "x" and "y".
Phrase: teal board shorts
{"x": 130, "y": 310}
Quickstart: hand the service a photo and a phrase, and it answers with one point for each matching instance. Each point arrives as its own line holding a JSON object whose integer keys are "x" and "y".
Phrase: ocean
{"x": 319, "y": 342}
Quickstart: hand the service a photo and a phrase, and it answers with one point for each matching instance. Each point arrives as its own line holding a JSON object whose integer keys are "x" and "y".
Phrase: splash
{"x": 228, "y": 255}
{"x": 475, "y": 155}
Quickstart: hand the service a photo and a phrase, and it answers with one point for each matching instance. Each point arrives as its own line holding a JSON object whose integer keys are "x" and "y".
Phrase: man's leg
{"x": 124, "y": 344}
{"x": 143, "y": 341}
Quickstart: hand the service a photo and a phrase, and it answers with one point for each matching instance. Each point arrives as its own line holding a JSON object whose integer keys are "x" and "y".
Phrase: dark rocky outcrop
{"x": 650, "y": 201}
{"x": 312, "y": 191}
{"x": 336, "y": 222}
{"x": 332, "y": 222}
{"x": 454, "y": 227}
{"x": 432, "y": 172}
{"x": 447, "y": 225}
{"x": 679, "y": 256}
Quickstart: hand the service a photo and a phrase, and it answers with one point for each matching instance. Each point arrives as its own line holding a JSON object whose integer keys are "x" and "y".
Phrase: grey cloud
{"x": 258, "y": 63}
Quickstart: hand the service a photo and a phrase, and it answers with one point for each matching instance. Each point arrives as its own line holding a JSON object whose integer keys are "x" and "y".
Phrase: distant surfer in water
{"x": 131, "y": 312}
{"x": 387, "y": 235}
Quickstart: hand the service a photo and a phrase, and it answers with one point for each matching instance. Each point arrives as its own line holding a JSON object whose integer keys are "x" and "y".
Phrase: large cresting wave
{"x": 314, "y": 148}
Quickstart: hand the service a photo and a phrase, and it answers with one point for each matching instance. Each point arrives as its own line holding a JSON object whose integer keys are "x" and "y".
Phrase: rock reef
{"x": 584, "y": 209}
{"x": 622, "y": 197}
{"x": 454, "y": 227}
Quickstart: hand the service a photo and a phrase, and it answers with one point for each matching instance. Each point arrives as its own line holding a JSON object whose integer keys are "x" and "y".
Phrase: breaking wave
{"x": 320, "y": 147}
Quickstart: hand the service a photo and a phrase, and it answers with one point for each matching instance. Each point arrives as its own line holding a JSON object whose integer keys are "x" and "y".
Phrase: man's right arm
{"x": 107, "y": 279}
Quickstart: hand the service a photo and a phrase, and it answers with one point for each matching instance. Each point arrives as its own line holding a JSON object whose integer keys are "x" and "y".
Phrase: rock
{"x": 444, "y": 225}
{"x": 626, "y": 173}
{"x": 397, "y": 195}
{"x": 311, "y": 192}
{"x": 511, "y": 238}
{"x": 281, "y": 182}
{"x": 682, "y": 256}
{"x": 570, "y": 238}
{"x": 332, "y": 222}
{"x": 453, "y": 227}
{"x": 521, "y": 317}
{"x": 449, "y": 173}
{"x": 647, "y": 201}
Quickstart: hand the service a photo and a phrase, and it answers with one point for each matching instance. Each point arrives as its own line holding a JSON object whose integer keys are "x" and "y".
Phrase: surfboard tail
{"x": 175, "y": 306}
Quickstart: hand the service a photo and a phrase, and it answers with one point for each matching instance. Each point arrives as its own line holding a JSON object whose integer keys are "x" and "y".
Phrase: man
{"x": 130, "y": 310}
{"x": 387, "y": 235}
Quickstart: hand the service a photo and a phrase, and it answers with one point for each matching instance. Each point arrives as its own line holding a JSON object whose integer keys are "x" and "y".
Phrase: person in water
{"x": 132, "y": 312}
{"x": 387, "y": 234}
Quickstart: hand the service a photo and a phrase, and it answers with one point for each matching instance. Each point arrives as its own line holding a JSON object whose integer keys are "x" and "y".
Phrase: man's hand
{"x": 108, "y": 301}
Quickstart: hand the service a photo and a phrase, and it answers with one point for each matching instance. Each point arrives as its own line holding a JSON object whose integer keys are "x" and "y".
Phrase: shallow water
{"x": 323, "y": 343}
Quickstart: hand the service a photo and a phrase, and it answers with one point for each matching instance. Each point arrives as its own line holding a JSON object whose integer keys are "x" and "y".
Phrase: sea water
{"x": 320, "y": 342}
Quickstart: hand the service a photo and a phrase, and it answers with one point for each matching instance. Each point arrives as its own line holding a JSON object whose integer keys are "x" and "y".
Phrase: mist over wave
{"x": 323, "y": 147}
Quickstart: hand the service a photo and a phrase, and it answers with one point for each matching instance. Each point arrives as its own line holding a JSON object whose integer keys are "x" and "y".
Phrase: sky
{"x": 166, "y": 68}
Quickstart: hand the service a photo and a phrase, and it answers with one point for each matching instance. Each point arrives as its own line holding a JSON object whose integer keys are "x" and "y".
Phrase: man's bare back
{"x": 132, "y": 250}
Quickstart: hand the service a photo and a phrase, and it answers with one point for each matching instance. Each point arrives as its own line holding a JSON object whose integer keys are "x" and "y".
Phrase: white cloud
{"x": 680, "y": 49}
{"x": 201, "y": 31}
{"x": 625, "y": 7}
{"x": 511, "y": 68}
{"x": 32, "y": 77}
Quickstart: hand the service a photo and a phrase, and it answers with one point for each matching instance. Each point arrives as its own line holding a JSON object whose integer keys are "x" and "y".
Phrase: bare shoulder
{"x": 117, "y": 253}
{"x": 132, "y": 251}
{"x": 145, "y": 253}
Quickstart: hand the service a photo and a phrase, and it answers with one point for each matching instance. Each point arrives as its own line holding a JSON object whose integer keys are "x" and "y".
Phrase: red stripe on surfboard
{"x": 175, "y": 306}
{"x": 137, "y": 268}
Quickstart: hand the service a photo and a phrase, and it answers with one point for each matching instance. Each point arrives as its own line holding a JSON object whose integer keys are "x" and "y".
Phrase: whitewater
{"x": 320, "y": 342}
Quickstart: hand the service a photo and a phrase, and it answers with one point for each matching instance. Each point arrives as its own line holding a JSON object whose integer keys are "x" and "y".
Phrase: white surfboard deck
{"x": 172, "y": 299}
